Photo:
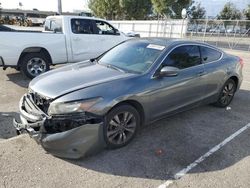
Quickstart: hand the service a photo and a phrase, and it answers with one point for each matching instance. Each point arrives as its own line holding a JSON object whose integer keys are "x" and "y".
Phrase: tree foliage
{"x": 197, "y": 12}
{"x": 229, "y": 12}
{"x": 132, "y": 9}
{"x": 121, "y": 9}
{"x": 170, "y": 8}
{"x": 108, "y": 9}
{"x": 137, "y": 9}
{"x": 247, "y": 13}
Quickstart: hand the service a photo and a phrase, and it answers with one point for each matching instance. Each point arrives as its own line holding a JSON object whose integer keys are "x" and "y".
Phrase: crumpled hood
{"x": 64, "y": 80}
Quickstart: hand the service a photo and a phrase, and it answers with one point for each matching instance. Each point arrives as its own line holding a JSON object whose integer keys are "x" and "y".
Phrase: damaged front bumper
{"x": 82, "y": 140}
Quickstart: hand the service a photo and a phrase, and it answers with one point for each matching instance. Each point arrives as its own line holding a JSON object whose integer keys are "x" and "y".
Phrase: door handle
{"x": 77, "y": 39}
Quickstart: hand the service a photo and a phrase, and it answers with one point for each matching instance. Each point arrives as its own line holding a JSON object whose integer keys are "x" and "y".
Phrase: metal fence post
{"x": 150, "y": 28}
{"x": 204, "y": 35}
{"x": 157, "y": 30}
{"x": 171, "y": 30}
{"x": 164, "y": 28}
{"x": 182, "y": 28}
{"x": 133, "y": 26}
{"x": 234, "y": 42}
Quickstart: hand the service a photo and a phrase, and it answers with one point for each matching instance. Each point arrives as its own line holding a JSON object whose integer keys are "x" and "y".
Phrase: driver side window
{"x": 183, "y": 57}
{"x": 104, "y": 28}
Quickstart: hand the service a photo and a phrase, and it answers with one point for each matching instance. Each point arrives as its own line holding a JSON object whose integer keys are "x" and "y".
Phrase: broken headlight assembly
{"x": 69, "y": 115}
{"x": 72, "y": 107}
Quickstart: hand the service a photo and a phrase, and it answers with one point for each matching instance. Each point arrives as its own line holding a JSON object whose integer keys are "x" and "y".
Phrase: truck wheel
{"x": 34, "y": 64}
{"x": 25, "y": 24}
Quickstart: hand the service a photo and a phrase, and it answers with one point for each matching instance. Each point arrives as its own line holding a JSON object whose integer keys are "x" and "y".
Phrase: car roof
{"x": 76, "y": 17}
{"x": 173, "y": 41}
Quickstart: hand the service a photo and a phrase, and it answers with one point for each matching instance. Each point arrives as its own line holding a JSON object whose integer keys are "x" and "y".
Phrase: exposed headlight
{"x": 72, "y": 107}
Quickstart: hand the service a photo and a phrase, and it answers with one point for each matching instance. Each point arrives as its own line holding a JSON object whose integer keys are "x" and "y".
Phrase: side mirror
{"x": 57, "y": 30}
{"x": 117, "y": 32}
{"x": 169, "y": 71}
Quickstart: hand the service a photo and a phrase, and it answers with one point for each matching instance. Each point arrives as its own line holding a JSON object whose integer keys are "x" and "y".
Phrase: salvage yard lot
{"x": 158, "y": 152}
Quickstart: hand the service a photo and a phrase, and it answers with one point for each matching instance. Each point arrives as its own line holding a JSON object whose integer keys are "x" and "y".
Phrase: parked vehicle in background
{"x": 25, "y": 17}
{"x": 71, "y": 112}
{"x": 65, "y": 39}
{"x": 1, "y": 20}
{"x": 5, "y": 28}
{"x": 35, "y": 19}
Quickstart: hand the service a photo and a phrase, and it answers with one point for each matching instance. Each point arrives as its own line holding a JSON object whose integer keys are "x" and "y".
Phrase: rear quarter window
{"x": 209, "y": 55}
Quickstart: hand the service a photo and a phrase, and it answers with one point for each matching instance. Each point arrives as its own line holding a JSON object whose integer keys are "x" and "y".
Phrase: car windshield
{"x": 132, "y": 56}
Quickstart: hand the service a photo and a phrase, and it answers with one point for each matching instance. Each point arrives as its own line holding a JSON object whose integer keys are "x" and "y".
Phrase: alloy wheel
{"x": 227, "y": 93}
{"x": 121, "y": 128}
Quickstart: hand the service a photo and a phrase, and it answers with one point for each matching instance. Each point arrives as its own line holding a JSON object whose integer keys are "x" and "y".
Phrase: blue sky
{"x": 213, "y": 7}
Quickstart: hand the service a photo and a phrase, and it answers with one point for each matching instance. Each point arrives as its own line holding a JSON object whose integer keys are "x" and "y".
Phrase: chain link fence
{"x": 153, "y": 28}
{"x": 233, "y": 34}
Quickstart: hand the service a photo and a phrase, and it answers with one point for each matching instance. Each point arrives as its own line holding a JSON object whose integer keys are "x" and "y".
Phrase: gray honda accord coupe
{"x": 78, "y": 109}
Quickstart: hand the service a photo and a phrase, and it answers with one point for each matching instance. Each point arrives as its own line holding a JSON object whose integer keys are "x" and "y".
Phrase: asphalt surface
{"x": 158, "y": 152}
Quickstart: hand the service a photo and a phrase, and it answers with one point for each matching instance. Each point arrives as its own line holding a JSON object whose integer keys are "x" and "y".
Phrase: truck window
{"x": 53, "y": 25}
{"x": 31, "y": 15}
{"x": 104, "y": 28}
{"x": 82, "y": 26}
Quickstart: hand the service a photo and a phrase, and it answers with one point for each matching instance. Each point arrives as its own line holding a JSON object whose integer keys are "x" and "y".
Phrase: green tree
{"x": 0, "y": 12}
{"x": 108, "y": 9}
{"x": 229, "y": 12}
{"x": 247, "y": 13}
{"x": 197, "y": 12}
{"x": 170, "y": 8}
{"x": 136, "y": 10}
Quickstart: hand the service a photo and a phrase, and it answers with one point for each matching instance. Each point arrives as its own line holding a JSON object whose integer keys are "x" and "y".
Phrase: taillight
{"x": 241, "y": 62}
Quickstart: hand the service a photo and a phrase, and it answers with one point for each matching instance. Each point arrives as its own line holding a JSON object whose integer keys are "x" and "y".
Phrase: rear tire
{"x": 121, "y": 125}
{"x": 34, "y": 64}
{"x": 227, "y": 94}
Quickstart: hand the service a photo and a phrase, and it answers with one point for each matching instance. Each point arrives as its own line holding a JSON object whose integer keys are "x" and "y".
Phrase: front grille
{"x": 40, "y": 101}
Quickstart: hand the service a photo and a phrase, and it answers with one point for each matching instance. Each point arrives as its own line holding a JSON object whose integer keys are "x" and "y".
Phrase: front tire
{"x": 34, "y": 64}
{"x": 227, "y": 93}
{"x": 121, "y": 125}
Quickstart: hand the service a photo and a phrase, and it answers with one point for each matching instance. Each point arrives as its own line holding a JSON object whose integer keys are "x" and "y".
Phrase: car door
{"x": 186, "y": 89}
{"x": 107, "y": 35}
{"x": 214, "y": 74}
{"x": 84, "y": 42}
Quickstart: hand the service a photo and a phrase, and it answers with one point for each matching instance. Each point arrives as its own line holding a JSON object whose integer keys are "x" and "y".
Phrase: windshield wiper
{"x": 115, "y": 68}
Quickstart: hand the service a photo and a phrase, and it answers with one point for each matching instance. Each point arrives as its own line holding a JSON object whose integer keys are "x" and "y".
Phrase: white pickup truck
{"x": 65, "y": 39}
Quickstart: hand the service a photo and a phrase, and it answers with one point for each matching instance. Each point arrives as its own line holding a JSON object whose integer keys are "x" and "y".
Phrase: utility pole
{"x": 0, "y": 10}
{"x": 59, "y": 6}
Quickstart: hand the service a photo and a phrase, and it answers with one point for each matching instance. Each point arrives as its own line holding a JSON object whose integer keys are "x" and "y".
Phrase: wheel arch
{"x": 34, "y": 50}
{"x": 137, "y": 105}
{"x": 235, "y": 79}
